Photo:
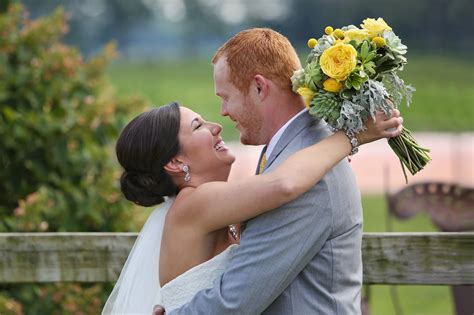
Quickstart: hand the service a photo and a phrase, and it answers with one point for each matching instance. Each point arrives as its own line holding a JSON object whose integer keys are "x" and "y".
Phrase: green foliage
{"x": 313, "y": 76}
{"x": 397, "y": 89}
{"x": 392, "y": 56}
{"x": 367, "y": 54}
{"x": 9, "y": 306}
{"x": 297, "y": 80}
{"x": 326, "y": 106}
{"x": 365, "y": 68}
{"x": 59, "y": 119}
{"x": 54, "y": 299}
{"x": 356, "y": 78}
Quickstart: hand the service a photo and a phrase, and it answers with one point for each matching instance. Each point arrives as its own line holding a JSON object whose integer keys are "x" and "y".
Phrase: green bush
{"x": 59, "y": 119}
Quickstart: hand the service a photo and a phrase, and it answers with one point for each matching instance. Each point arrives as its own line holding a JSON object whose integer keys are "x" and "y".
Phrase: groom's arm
{"x": 274, "y": 249}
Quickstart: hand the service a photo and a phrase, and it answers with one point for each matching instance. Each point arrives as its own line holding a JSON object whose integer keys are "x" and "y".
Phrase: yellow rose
{"x": 307, "y": 94}
{"x": 332, "y": 85}
{"x": 356, "y": 34}
{"x": 338, "y": 61}
{"x": 375, "y": 27}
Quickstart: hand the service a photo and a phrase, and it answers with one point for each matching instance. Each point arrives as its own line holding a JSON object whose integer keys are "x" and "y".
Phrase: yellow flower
{"x": 375, "y": 27}
{"x": 356, "y": 34}
{"x": 312, "y": 42}
{"x": 332, "y": 85}
{"x": 307, "y": 94}
{"x": 328, "y": 30}
{"x": 338, "y": 61}
{"x": 338, "y": 33}
{"x": 379, "y": 41}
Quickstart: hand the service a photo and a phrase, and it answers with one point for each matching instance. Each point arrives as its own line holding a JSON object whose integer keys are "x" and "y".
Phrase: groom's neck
{"x": 280, "y": 113}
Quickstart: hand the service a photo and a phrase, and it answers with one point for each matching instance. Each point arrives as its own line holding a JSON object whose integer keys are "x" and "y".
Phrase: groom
{"x": 305, "y": 256}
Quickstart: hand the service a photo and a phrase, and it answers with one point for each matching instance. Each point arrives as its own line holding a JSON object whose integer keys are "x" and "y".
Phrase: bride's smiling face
{"x": 202, "y": 146}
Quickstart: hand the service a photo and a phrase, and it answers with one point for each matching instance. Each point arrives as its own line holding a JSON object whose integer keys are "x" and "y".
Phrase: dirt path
{"x": 376, "y": 166}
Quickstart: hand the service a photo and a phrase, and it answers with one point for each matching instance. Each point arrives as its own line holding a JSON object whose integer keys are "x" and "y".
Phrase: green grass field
{"x": 444, "y": 101}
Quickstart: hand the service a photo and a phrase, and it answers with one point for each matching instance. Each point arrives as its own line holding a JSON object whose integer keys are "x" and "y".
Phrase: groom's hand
{"x": 158, "y": 310}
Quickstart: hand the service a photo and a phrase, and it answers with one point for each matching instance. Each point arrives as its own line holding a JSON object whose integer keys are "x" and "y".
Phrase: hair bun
{"x": 144, "y": 181}
{"x": 141, "y": 188}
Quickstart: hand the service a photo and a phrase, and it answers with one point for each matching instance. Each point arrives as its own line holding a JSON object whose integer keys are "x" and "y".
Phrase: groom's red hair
{"x": 259, "y": 51}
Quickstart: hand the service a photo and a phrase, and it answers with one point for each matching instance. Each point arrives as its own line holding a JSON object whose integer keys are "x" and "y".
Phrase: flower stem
{"x": 411, "y": 154}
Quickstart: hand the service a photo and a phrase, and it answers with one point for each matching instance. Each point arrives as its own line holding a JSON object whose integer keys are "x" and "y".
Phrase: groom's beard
{"x": 251, "y": 124}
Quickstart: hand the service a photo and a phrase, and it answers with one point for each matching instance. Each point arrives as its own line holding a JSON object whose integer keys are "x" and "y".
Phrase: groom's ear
{"x": 174, "y": 166}
{"x": 261, "y": 86}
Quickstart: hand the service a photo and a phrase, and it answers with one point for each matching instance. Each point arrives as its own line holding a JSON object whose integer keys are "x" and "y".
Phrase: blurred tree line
{"x": 191, "y": 26}
{"x": 443, "y": 26}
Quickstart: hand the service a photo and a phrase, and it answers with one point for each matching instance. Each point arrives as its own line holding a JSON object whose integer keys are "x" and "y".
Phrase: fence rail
{"x": 389, "y": 258}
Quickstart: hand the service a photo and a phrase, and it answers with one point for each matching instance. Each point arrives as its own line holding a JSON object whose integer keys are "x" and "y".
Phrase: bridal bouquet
{"x": 352, "y": 73}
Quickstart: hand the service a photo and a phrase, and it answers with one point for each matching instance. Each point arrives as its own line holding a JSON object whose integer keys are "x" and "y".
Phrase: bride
{"x": 187, "y": 242}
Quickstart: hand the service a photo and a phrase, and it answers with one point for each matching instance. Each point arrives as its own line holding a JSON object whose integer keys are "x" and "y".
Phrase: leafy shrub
{"x": 59, "y": 119}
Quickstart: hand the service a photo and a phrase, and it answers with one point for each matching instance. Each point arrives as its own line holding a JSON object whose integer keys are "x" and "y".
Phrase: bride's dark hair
{"x": 143, "y": 148}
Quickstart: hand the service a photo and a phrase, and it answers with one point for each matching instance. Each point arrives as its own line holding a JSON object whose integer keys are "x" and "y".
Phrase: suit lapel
{"x": 302, "y": 122}
{"x": 299, "y": 124}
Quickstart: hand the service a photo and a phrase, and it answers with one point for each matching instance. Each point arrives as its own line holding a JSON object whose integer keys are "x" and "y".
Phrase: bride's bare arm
{"x": 214, "y": 205}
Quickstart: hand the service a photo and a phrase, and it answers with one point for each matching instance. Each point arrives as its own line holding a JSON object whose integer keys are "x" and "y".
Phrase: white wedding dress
{"x": 138, "y": 289}
{"x": 181, "y": 290}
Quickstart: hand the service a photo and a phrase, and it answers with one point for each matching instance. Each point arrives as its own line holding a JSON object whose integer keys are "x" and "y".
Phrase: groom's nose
{"x": 224, "y": 111}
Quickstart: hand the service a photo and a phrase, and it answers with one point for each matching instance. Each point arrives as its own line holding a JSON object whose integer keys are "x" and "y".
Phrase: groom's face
{"x": 240, "y": 108}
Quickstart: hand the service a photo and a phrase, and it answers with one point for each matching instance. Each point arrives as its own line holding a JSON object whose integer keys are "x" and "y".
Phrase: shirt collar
{"x": 279, "y": 133}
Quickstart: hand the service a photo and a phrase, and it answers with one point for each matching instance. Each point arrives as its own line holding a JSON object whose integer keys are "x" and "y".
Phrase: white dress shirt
{"x": 279, "y": 133}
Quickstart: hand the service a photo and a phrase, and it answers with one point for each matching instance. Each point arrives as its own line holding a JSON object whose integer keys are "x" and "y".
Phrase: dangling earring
{"x": 187, "y": 176}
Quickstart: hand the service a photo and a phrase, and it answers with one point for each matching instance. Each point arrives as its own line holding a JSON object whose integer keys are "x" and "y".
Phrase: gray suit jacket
{"x": 301, "y": 258}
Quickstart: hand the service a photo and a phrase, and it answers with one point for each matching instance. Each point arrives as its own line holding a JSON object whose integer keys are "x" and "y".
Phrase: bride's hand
{"x": 382, "y": 127}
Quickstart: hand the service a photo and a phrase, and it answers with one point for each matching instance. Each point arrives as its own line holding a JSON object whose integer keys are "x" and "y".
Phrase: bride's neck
{"x": 197, "y": 180}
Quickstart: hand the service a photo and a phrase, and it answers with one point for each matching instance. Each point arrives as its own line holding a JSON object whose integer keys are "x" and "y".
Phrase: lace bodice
{"x": 182, "y": 289}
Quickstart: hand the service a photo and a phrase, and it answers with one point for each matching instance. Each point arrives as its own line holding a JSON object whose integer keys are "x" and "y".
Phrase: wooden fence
{"x": 389, "y": 258}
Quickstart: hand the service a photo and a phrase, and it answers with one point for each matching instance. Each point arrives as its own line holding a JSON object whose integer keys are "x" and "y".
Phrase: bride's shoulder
{"x": 184, "y": 208}
{"x": 192, "y": 206}
{"x": 184, "y": 218}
